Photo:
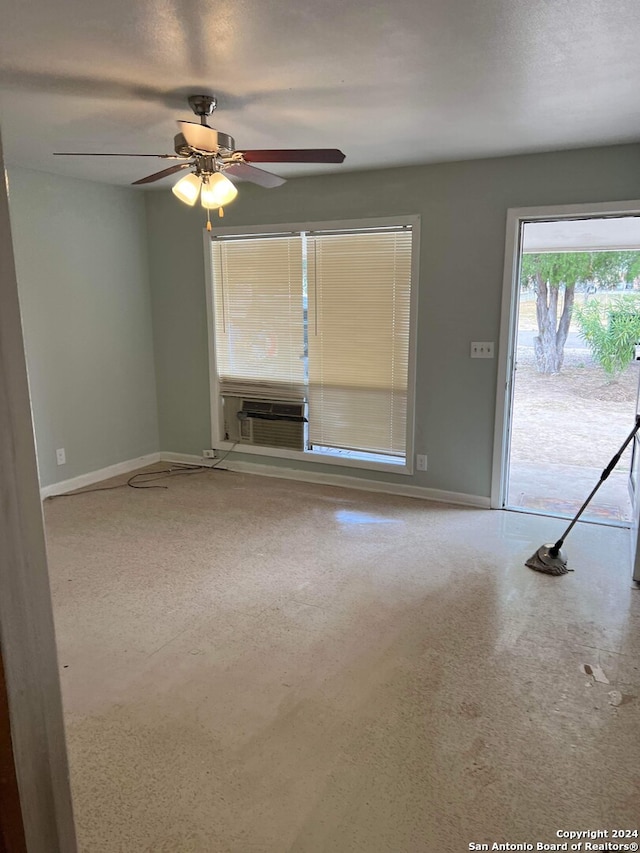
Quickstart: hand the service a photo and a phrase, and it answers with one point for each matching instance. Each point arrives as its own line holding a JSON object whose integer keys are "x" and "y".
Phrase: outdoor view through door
{"x": 311, "y": 341}
{"x": 575, "y": 381}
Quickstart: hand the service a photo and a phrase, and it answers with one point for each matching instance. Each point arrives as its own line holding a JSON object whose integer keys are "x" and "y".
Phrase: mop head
{"x": 544, "y": 561}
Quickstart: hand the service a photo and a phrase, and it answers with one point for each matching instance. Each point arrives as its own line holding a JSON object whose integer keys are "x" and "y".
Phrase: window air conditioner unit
{"x": 265, "y": 423}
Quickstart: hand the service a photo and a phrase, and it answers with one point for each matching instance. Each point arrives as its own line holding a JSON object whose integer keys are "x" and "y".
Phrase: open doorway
{"x": 572, "y": 380}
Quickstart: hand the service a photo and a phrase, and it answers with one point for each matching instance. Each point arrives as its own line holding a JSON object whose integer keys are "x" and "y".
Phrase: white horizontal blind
{"x": 259, "y": 333}
{"x": 359, "y": 301}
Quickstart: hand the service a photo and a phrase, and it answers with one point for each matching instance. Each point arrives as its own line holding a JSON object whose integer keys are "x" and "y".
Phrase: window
{"x": 259, "y": 331}
{"x": 312, "y": 340}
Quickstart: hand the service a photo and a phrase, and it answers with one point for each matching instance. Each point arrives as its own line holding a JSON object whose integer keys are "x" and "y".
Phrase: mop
{"x": 549, "y": 558}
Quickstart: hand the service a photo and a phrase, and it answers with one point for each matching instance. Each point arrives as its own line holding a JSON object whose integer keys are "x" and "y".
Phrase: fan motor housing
{"x": 226, "y": 144}
{"x": 180, "y": 145}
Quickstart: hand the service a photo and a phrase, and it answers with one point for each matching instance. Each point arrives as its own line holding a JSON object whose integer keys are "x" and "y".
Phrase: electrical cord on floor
{"x": 135, "y": 481}
{"x": 140, "y": 481}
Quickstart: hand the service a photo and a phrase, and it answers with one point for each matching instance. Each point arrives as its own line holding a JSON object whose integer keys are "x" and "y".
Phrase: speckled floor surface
{"x": 252, "y": 665}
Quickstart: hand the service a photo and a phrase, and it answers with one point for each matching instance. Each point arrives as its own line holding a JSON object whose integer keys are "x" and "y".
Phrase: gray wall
{"x": 463, "y": 208}
{"x": 81, "y": 261}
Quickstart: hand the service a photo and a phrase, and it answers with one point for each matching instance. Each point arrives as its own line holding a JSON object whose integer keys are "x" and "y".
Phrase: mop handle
{"x": 556, "y": 548}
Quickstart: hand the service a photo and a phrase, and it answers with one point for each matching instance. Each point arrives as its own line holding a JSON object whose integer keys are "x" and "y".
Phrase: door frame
{"x": 516, "y": 217}
{"x": 11, "y": 821}
{"x": 27, "y": 633}
{"x": 634, "y": 493}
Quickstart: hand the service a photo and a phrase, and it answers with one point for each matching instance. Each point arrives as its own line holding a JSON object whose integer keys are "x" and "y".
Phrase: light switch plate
{"x": 481, "y": 349}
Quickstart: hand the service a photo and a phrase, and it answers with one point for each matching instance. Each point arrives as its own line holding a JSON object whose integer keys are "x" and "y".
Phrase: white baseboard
{"x": 343, "y": 480}
{"x": 456, "y": 498}
{"x": 189, "y": 459}
{"x": 92, "y": 477}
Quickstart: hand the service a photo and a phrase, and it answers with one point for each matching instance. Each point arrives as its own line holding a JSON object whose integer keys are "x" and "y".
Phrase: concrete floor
{"x": 252, "y": 665}
{"x": 560, "y": 490}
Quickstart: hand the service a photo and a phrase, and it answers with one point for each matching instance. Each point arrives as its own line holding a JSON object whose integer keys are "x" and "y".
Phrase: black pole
{"x": 555, "y": 550}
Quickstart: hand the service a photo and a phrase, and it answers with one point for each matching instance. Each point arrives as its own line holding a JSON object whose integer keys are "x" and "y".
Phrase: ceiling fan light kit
{"x": 212, "y": 158}
{"x": 187, "y": 189}
{"x": 217, "y": 191}
{"x": 214, "y": 190}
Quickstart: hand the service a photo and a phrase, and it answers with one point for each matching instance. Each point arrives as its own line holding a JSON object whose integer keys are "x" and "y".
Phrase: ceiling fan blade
{"x": 94, "y": 154}
{"x": 199, "y": 136}
{"x": 163, "y": 174}
{"x": 294, "y": 155}
{"x": 245, "y": 172}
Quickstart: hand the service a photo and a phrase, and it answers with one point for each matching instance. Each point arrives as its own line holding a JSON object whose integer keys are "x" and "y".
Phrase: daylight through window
{"x": 311, "y": 340}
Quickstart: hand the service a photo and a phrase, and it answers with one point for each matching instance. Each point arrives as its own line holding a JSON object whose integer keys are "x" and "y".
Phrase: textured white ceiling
{"x": 412, "y": 81}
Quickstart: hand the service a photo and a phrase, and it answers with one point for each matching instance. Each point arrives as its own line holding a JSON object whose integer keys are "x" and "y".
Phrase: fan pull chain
{"x": 220, "y": 214}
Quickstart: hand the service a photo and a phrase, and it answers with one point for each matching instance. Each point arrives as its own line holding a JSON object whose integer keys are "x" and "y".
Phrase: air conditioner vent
{"x": 271, "y": 409}
{"x": 265, "y": 423}
{"x": 284, "y": 434}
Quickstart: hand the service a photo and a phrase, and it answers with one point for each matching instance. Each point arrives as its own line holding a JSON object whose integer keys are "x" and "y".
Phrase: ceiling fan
{"x": 212, "y": 158}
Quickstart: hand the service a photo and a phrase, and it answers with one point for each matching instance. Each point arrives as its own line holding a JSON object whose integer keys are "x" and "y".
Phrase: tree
{"x": 611, "y": 330}
{"x": 552, "y": 274}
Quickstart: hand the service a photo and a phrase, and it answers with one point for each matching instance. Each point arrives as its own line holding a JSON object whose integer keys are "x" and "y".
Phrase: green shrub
{"x": 611, "y": 329}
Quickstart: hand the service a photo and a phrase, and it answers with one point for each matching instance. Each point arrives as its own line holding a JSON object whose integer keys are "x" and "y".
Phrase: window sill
{"x": 353, "y": 460}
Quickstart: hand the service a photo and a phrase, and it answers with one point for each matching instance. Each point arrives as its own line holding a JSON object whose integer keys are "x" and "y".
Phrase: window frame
{"x": 217, "y": 426}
